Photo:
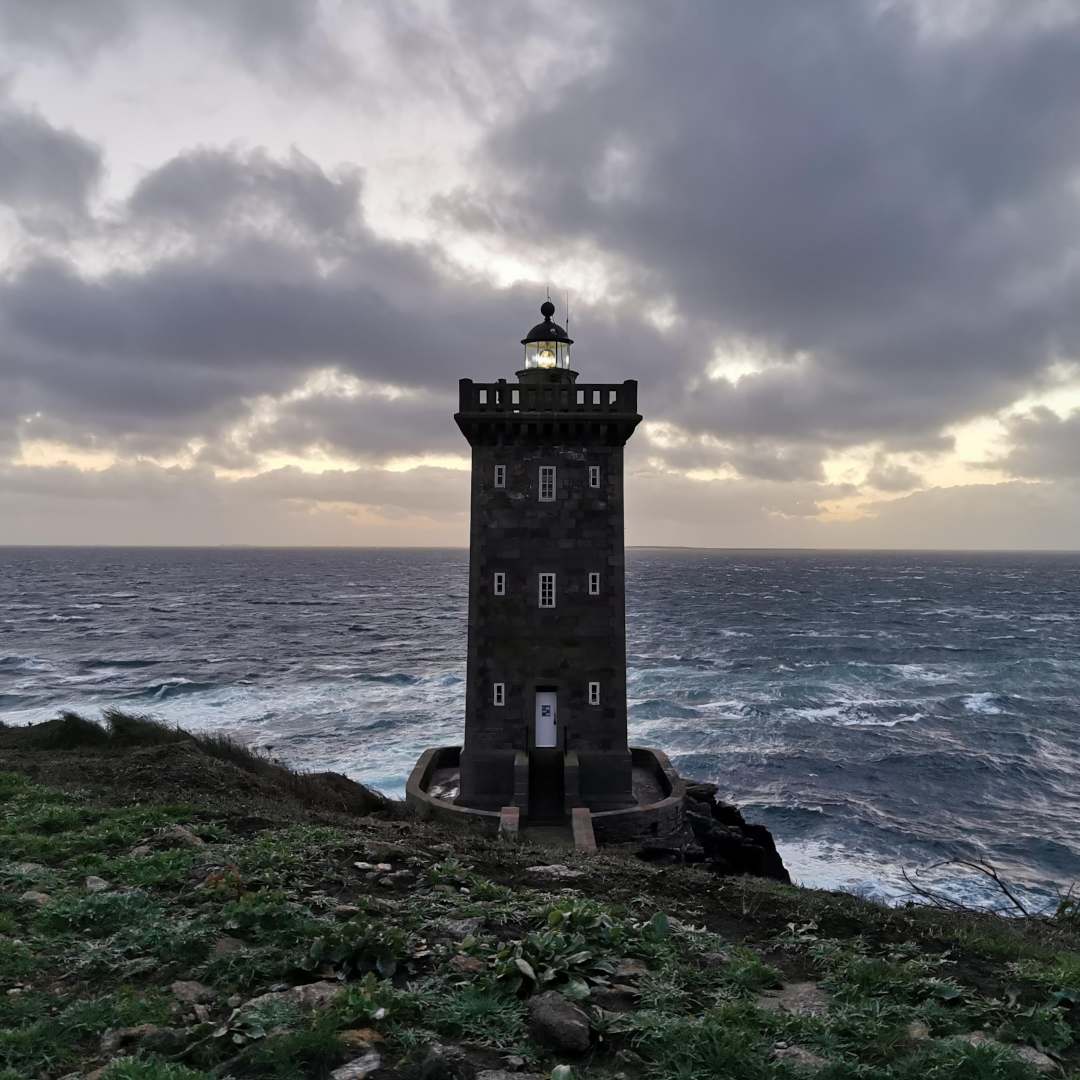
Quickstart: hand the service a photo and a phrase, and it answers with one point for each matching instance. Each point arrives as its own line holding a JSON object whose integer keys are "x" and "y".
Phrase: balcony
{"x": 501, "y": 398}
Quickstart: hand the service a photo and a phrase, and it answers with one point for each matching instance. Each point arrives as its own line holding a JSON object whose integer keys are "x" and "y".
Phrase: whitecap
{"x": 982, "y": 703}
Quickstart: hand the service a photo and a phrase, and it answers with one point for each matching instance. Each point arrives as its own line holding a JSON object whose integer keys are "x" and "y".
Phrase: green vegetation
{"x": 682, "y": 976}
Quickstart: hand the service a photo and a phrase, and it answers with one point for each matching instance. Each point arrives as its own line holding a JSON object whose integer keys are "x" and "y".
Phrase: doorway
{"x": 546, "y": 730}
{"x": 546, "y": 760}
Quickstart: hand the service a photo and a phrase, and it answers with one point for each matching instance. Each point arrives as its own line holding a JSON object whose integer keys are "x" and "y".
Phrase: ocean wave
{"x": 986, "y": 703}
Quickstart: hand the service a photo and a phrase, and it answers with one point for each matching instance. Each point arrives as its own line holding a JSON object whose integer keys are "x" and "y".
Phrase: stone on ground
{"x": 96, "y": 884}
{"x": 797, "y": 999}
{"x": 1040, "y": 1062}
{"x": 558, "y": 1024}
{"x": 360, "y": 1068}
{"x": 192, "y": 993}
{"x": 798, "y": 1056}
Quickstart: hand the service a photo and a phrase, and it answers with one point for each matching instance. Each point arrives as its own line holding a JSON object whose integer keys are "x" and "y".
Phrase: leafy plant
{"x": 356, "y": 948}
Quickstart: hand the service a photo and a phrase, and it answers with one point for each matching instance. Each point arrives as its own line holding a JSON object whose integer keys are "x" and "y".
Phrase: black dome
{"x": 547, "y": 330}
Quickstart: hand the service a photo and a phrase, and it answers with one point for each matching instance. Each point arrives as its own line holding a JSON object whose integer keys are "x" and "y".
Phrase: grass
{"x": 248, "y": 914}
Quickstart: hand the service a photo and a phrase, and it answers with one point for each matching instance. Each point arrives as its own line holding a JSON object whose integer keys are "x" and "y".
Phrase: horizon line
{"x": 465, "y": 548}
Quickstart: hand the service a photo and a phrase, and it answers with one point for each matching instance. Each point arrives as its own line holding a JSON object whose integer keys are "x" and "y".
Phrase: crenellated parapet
{"x": 503, "y": 412}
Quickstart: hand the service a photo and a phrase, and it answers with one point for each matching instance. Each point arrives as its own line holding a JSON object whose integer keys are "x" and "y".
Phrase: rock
{"x": 364, "y": 866}
{"x": 705, "y": 790}
{"x": 558, "y": 1024}
{"x": 463, "y": 928}
{"x": 445, "y": 1062}
{"x": 514, "y": 1063}
{"x": 346, "y": 911}
{"x": 177, "y": 836}
{"x": 360, "y": 1068}
{"x": 506, "y": 1074}
{"x": 1040, "y": 1062}
{"x": 96, "y": 884}
{"x": 150, "y": 1037}
{"x": 359, "y": 1038}
{"x": 226, "y": 944}
{"x": 798, "y": 999}
{"x": 555, "y": 872}
{"x": 614, "y": 998}
{"x": 630, "y": 969}
{"x": 192, "y": 993}
{"x": 401, "y": 877}
{"x": 306, "y": 998}
{"x": 32, "y": 870}
{"x": 467, "y": 965}
{"x": 140, "y": 851}
{"x": 38, "y": 899}
{"x": 918, "y": 1031}
{"x": 798, "y": 1056}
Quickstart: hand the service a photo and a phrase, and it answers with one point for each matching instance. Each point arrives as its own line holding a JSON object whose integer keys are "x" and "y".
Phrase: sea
{"x": 883, "y": 713}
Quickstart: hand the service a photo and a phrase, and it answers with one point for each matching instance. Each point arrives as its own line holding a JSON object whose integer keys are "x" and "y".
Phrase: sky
{"x": 247, "y": 249}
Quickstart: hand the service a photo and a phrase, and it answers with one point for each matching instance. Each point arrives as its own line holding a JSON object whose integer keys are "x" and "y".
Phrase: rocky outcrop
{"x": 717, "y": 835}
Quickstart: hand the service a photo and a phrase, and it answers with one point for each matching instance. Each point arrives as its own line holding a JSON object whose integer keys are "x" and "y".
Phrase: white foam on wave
{"x": 982, "y": 703}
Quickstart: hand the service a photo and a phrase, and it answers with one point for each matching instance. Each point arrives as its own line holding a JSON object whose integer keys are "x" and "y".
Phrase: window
{"x": 547, "y": 483}
{"x": 594, "y": 693}
{"x": 581, "y": 397}
{"x": 594, "y": 583}
{"x": 595, "y": 397}
{"x": 483, "y": 397}
{"x": 500, "y": 583}
{"x": 612, "y": 396}
{"x": 515, "y": 396}
{"x": 547, "y": 590}
{"x": 499, "y": 695}
{"x": 500, "y": 476}
{"x": 594, "y": 476}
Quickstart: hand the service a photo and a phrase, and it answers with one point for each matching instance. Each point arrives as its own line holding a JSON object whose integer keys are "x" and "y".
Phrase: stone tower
{"x": 545, "y": 721}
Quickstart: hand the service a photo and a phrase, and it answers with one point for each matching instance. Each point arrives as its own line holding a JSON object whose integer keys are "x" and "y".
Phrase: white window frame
{"x": 594, "y": 476}
{"x": 498, "y": 693}
{"x": 594, "y": 693}
{"x": 594, "y": 582}
{"x": 545, "y": 579}
{"x": 499, "y": 584}
{"x": 500, "y": 476}
{"x": 546, "y": 489}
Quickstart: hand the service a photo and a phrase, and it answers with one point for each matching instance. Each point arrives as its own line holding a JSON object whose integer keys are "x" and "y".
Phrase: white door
{"x": 545, "y": 718}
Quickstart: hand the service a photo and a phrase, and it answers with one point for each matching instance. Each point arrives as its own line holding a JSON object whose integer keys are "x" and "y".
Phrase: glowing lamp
{"x": 547, "y": 344}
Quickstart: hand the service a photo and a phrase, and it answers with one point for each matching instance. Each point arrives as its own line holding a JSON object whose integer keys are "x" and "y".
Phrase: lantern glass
{"x": 547, "y": 354}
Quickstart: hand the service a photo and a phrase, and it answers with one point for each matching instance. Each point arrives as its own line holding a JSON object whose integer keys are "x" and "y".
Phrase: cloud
{"x": 1044, "y": 445}
{"x": 72, "y": 29}
{"x": 890, "y": 208}
{"x": 885, "y": 475}
{"x": 46, "y": 175}
{"x": 208, "y": 188}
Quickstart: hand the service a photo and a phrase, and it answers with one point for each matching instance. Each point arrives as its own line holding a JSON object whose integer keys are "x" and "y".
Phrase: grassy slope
{"x": 275, "y": 871}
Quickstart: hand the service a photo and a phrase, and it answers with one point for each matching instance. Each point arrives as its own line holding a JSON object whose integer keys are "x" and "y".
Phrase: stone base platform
{"x": 659, "y": 791}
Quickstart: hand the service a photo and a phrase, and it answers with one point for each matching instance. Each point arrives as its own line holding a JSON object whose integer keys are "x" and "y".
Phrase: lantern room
{"x": 547, "y": 346}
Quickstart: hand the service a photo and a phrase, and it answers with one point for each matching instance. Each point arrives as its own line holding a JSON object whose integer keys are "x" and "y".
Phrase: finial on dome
{"x": 547, "y": 309}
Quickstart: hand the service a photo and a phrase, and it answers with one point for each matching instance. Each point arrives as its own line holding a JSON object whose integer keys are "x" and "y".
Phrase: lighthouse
{"x": 545, "y": 702}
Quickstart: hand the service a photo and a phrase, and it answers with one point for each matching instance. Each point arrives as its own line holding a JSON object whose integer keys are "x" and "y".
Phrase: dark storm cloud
{"x": 46, "y": 175}
{"x": 1045, "y": 445}
{"x": 279, "y": 276}
{"x": 205, "y": 189}
{"x": 825, "y": 179}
